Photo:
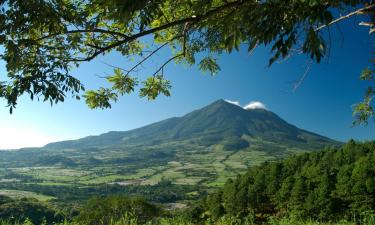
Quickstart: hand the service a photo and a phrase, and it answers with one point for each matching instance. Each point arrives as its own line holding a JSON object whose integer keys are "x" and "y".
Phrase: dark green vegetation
{"x": 45, "y": 40}
{"x": 332, "y": 186}
{"x": 114, "y": 208}
{"x": 324, "y": 185}
{"x": 189, "y": 155}
{"x": 14, "y": 210}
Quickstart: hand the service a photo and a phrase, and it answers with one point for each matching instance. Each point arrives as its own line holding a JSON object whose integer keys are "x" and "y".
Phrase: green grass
{"x": 104, "y": 179}
{"x": 16, "y": 194}
{"x": 56, "y": 174}
{"x": 48, "y": 183}
{"x": 189, "y": 180}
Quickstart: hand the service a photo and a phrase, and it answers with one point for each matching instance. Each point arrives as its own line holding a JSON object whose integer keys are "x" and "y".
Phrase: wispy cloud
{"x": 233, "y": 102}
{"x": 255, "y": 105}
{"x": 249, "y": 106}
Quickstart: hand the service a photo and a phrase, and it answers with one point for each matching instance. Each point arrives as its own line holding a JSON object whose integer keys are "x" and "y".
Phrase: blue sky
{"x": 322, "y": 103}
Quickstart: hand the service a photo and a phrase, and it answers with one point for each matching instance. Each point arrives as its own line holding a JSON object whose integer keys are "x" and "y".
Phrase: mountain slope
{"x": 204, "y": 147}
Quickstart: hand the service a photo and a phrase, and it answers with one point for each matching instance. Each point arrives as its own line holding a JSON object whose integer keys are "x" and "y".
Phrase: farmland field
{"x": 207, "y": 168}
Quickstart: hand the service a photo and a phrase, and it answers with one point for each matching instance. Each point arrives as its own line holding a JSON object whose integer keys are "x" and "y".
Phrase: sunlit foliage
{"x": 45, "y": 40}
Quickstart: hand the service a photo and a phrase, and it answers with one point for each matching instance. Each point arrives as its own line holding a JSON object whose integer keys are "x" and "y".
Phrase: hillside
{"x": 204, "y": 147}
{"x": 328, "y": 185}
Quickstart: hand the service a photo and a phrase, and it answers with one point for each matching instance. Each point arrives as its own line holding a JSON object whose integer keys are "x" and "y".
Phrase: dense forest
{"x": 324, "y": 185}
{"x": 329, "y": 186}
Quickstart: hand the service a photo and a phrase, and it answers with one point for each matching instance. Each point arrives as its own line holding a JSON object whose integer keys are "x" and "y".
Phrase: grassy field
{"x": 16, "y": 194}
{"x": 208, "y": 169}
{"x": 182, "y": 163}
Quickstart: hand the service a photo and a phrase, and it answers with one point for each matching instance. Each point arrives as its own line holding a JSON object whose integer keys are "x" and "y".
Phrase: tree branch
{"x": 116, "y": 67}
{"x": 304, "y": 75}
{"x": 178, "y": 55}
{"x": 151, "y": 54}
{"x": 183, "y": 53}
{"x": 190, "y": 20}
{"x": 359, "y": 11}
{"x": 96, "y": 30}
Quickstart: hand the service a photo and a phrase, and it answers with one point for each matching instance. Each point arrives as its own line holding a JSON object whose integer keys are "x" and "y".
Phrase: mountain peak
{"x": 253, "y": 105}
{"x": 223, "y": 103}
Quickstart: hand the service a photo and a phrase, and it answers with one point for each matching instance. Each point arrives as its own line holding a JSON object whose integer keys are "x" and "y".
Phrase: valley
{"x": 195, "y": 153}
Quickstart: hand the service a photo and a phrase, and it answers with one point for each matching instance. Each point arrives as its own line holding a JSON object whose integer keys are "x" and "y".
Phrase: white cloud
{"x": 250, "y": 106}
{"x": 233, "y": 102}
{"x": 255, "y": 105}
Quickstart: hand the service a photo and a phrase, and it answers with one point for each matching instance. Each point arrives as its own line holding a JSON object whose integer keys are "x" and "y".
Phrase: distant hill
{"x": 203, "y": 147}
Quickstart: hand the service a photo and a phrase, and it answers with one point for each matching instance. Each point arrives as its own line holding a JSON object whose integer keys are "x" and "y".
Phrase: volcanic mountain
{"x": 205, "y": 146}
{"x": 213, "y": 124}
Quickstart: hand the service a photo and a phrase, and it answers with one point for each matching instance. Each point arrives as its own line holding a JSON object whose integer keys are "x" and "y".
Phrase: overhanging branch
{"x": 96, "y": 30}
{"x": 359, "y": 11}
{"x": 190, "y": 20}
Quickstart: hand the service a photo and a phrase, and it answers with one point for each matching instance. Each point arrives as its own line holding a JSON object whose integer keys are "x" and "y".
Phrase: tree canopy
{"x": 45, "y": 40}
{"x": 323, "y": 185}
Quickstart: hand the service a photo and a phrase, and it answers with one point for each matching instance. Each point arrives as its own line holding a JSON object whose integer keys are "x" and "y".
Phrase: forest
{"x": 331, "y": 186}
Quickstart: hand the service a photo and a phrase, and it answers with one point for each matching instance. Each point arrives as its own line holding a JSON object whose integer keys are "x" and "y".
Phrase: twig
{"x": 151, "y": 54}
{"x": 183, "y": 53}
{"x": 300, "y": 81}
{"x": 346, "y": 16}
{"x": 116, "y": 67}
{"x": 101, "y": 76}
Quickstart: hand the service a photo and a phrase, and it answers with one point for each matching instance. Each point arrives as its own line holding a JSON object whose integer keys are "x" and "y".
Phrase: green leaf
{"x": 367, "y": 74}
{"x": 154, "y": 86}
{"x": 124, "y": 84}
{"x": 100, "y": 98}
{"x": 209, "y": 64}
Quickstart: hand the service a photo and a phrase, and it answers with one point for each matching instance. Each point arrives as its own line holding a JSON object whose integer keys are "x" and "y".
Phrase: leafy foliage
{"x": 155, "y": 85}
{"x": 44, "y": 40}
{"x": 129, "y": 219}
{"x": 122, "y": 83}
{"x": 100, "y": 98}
{"x": 364, "y": 110}
{"x": 28, "y": 209}
{"x": 101, "y": 211}
{"x": 209, "y": 64}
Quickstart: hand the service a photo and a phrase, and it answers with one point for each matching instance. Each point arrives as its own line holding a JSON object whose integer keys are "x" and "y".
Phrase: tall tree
{"x": 229, "y": 197}
{"x": 45, "y": 39}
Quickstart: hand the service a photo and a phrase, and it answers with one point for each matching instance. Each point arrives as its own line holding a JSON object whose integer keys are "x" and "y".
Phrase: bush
{"x": 111, "y": 210}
